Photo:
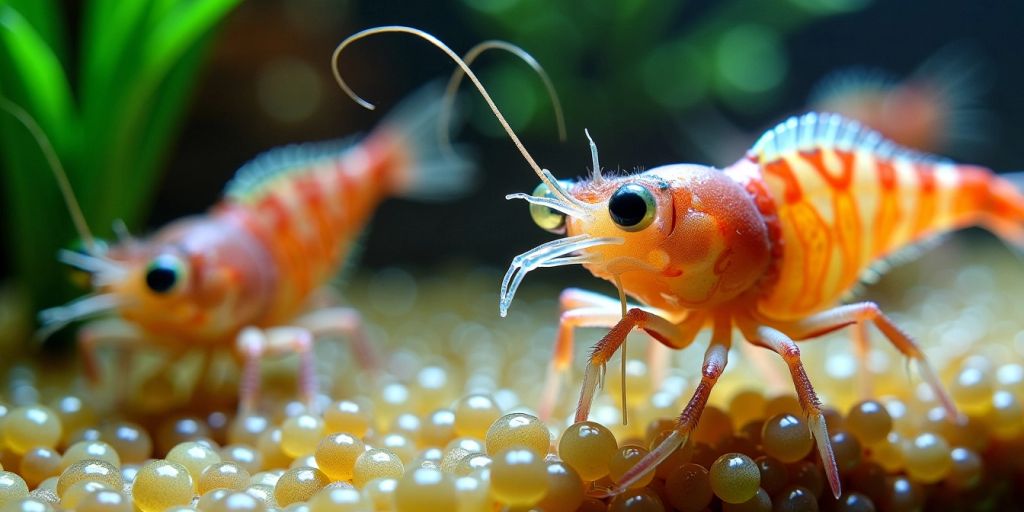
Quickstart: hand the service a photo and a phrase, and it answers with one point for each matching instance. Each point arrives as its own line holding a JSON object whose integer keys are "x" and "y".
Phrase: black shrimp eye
{"x": 165, "y": 273}
{"x": 632, "y": 207}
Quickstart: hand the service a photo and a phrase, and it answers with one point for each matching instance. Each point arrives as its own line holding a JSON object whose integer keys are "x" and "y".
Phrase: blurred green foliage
{"x": 110, "y": 112}
{"x": 599, "y": 55}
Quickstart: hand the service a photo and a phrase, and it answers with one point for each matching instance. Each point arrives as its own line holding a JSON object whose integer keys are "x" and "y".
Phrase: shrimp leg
{"x": 349, "y": 323}
{"x": 783, "y": 345}
{"x": 580, "y": 308}
{"x": 851, "y": 314}
{"x": 253, "y": 344}
{"x": 670, "y": 334}
{"x": 715, "y": 359}
{"x": 105, "y": 333}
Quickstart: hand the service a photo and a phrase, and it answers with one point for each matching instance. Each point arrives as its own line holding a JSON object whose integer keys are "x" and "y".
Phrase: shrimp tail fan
{"x": 432, "y": 169}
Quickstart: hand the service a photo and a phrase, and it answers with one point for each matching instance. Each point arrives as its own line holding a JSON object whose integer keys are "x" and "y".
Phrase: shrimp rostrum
{"x": 767, "y": 247}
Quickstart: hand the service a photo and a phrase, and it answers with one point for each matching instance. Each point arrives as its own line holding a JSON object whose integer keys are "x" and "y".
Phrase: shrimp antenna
{"x": 544, "y": 175}
{"x": 46, "y": 147}
{"x": 469, "y": 57}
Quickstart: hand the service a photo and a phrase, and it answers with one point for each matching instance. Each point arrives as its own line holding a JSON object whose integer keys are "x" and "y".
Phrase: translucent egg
{"x": 438, "y": 429}
{"x": 889, "y": 452}
{"x": 786, "y": 438}
{"x": 131, "y": 442}
{"x": 105, "y": 500}
{"x": 518, "y": 430}
{"x": 689, "y": 488}
{"x": 967, "y": 469}
{"x": 28, "y": 427}
{"x": 301, "y": 434}
{"x": 623, "y": 460}
{"x": 474, "y": 415}
{"x": 299, "y": 484}
{"x": 175, "y": 431}
{"x": 808, "y": 475}
{"x": 734, "y": 478}
{"x": 472, "y": 494}
{"x": 636, "y": 500}
{"x": 971, "y": 389}
{"x": 774, "y": 474}
{"x": 12, "y": 488}
{"x": 760, "y": 502}
{"x": 244, "y": 455}
{"x": 425, "y": 490}
{"x": 73, "y": 495}
{"x": 97, "y": 450}
{"x": 247, "y": 429}
{"x": 347, "y": 416}
{"x": 239, "y": 502}
{"x": 587, "y": 447}
{"x": 339, "y": 499}
{"x": 96, "y": 470}
{"x": 376, "y": 463}
{"x": 381, "y": 493}
{"x": 794, "y": 499}
{"x": 74, "y": 414}
{"x": 195, "y": 457}
{"x": 854, "y": 502}
{"x": 263, "y": 493}
{"x": 269, "y": 447}
{"x": 518, "y": 477}
{"x": 565, "y": 488}
{"x": 868, "y": 421}
{"x": 746, "y": 406}
{"x": 336, "y": 455}
{"x": 223, "y": 475}
{"x": 161, "y": 484}
{"x": 714, "y": 427}
{"x": 1005, "y": 415}
{"x": 927, "y": 458}
{"x": 38, "y": 464}
{"x": 847, "y": 451}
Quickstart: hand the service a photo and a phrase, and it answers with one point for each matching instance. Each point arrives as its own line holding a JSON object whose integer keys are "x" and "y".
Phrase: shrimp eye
{"x": 551, "y": 220}
{"x": 165, "y": 273}
{"x": 632, "y": 207}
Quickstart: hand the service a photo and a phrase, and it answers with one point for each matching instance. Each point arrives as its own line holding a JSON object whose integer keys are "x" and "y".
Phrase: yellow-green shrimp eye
{"x": 166, "y": 273}
{"x": 551, "y": 220}
{"x": 632, "y": 207}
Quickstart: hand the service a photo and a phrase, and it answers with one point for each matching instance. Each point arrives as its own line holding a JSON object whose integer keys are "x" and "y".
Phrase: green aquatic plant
{"x": 110, "y": 103}
{"x": 642, "y": 60}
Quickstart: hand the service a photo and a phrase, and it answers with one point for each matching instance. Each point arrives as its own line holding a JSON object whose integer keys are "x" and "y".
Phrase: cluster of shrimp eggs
{"x": 755, "y": 454}
{"x": 456, "y": 433}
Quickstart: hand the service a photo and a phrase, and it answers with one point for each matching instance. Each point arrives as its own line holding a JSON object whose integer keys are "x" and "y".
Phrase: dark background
{"x": 227, "y": 123}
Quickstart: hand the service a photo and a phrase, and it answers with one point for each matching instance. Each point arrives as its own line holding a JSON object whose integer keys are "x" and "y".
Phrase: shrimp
{"x": 239, "y": 278}
{"x": 768, "y": 246}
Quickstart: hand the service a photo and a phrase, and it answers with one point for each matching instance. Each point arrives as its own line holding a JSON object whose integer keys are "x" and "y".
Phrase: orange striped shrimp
{"x": 239, "y": 278}
{"x": 768, "y": 246}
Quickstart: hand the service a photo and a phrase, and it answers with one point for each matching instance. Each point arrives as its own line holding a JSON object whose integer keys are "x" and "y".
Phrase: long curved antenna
{"x": 545, "y": 177}
{"x": 469, "y": 57}
{"x": 58, "y": 171}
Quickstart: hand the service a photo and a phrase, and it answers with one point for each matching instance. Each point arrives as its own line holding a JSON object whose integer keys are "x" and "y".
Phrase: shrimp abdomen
{"x": 847, "y": 198}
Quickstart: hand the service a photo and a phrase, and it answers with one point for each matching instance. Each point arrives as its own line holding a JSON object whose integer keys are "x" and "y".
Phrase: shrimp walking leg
{"x": 783, "y": 345}
{"x": 842, "y": 316}
{"x": 670, "y": 334}
{"x": 349, "y": 323}
{"x": 580, "y": 308}
{"x": 715, "y": 359}
{"x": 862, "y": 346}
{"x": 105, "y": 333}
{"x": 253, "y": 344}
